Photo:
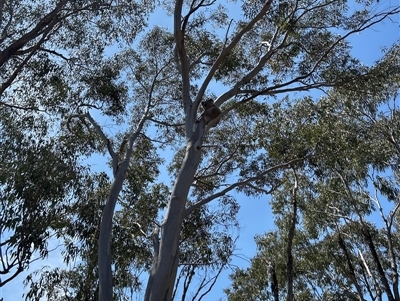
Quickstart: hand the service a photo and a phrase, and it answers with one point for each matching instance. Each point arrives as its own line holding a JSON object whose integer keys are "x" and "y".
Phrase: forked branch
{"x": 105, "y": 140}
{"x": 242, "y": 184}
{"x": 228, "y": 49}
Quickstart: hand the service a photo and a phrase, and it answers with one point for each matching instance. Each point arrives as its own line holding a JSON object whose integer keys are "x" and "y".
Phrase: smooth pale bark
{"x": 105, "y": 275}
{"x": 162, "y": 277}
{"x": 166, "y": 254}
{"x": 104, "y": 249}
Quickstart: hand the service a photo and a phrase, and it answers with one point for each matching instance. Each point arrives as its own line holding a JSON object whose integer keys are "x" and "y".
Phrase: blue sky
{"x": 254, "y": 216}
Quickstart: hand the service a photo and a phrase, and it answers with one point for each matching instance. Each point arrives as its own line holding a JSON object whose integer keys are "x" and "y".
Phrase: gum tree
{"x": 246, "y": 55}
{"x": 336, "y": 217}
{"x": 41, "y": 42}
{"x": 276, "y": 48}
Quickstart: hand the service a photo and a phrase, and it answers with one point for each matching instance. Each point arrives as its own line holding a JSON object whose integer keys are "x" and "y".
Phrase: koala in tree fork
{"x": 211, "y": 111}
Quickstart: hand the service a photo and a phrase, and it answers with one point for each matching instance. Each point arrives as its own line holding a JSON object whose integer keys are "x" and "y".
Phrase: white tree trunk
{"x": 162, "y": 278}
{"x": 104, "y": 251}
{"x": 119, "y": 170}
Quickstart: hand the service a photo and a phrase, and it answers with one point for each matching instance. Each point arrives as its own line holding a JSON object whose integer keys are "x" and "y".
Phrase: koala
{"x": 211, "y": 111}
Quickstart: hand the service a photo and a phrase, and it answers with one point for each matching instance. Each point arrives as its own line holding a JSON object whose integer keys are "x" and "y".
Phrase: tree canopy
{"x": 105, "y": 148}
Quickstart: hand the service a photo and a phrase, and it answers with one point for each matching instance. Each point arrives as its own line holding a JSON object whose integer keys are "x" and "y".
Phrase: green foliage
{"x": 39, "y": 175}
{"x": 89, "y": 100}
{"x": 102, "y": 86}
{"x": 337, "y": 251}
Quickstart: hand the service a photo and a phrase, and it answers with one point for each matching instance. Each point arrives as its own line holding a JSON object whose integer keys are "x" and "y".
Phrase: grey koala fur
{"x": 211, "y": 111}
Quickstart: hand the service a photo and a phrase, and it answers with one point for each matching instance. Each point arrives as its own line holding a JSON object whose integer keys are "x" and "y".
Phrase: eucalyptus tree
{"x": 257, "y": 51}
{"x": 336, "y": 234}
{"x": 38, "y": 36}
{"x": 272, "y": 48}
{"x": 41, "y": 44}
{"x": 37, "y": 177}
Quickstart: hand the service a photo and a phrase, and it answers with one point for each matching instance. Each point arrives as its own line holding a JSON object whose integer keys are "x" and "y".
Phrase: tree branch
{"x": 184, "y": 66}
{"x": 55, "y": 53}
{"x": 350, "y": 266}
{"x": 277, "y": 88}
{"x": 106, "y": 141}
{"x": 261, "y": 63}
{"x": 46, "y": 23}
{"x": 165, "y": 123}
{"x": 368, "y": 237}
{"x": 241, "y": 183}
{"x": 227, "y": 49}
{"x": 17, "y": 70}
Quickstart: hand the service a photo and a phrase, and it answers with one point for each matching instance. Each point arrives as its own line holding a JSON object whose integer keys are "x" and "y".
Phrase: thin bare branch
{"x": 55, "y": 53}
{"x": 165, "y": 123}
{"x": 193, "y": 9}
{"x": 213, "y": 280}
{"x": 183, "y": 62}
{"x": 277, "y": 89}
{"x": 227, "y": 49}
{"x": 188, "y": 279}
{"x": 379, "y": 18}
{"x": 242, "y": 183}
{"x": 106, "y": 141}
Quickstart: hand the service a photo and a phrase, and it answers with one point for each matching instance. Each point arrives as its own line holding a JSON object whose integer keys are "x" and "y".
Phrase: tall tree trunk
{"x": 393, "y": 260}
{"x": 274, "y": 282}
{"x": 292, "y": 230}
{"x": 162, "y": 278}
{"x": 351, "y": 274}
{"x": 381, "y": 272}
{"x": 104, "y": 255}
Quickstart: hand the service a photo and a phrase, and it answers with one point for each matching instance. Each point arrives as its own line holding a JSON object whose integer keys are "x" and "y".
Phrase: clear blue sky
{"x": 255, "y": 216}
